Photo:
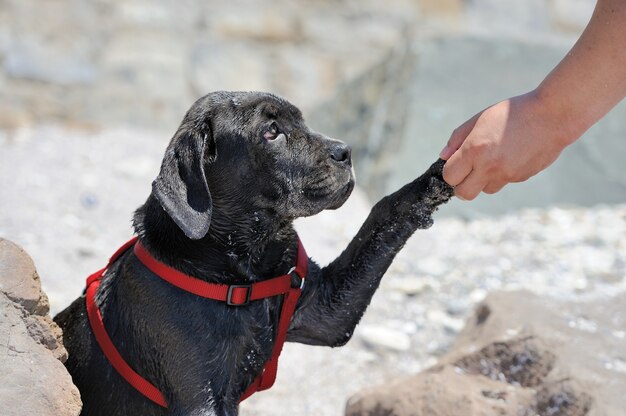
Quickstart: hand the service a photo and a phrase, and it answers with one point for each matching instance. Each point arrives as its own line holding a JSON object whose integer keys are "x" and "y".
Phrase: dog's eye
{"x": 271, "y": 133}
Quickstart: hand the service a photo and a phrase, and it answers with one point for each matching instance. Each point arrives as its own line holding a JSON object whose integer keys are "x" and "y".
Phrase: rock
{"x": 440, "y": 391}
{"x": 448, "y": 8}
{"x": 477, "y": 295}
{"x": 445, "y": 320}
{"x": 32, "y": 61}
{"x": 382, "y": 337}
{"x": 205, "y": 75}
{"x": 19, "y": 280}
{"x": 264, "y": 27}
{"x": 412, "y": 286}
{"x": 33, "y": 380}
{"x": 520, "y": 354}
{"x": 456, "y": 306}
{"x": 144, "y": 62}
{"x": 433, "y": 266}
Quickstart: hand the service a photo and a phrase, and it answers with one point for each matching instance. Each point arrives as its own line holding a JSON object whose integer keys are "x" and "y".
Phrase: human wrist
{"x": 563, "y": 119}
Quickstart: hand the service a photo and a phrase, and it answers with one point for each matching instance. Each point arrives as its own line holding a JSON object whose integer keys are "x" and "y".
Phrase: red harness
{"x": 233, "y": 295}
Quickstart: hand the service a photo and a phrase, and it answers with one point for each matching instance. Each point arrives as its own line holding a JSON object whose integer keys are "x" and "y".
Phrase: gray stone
{"x": 440, "y": 391}
{"x": 207, "y": 76}
{"x": 520, "y": 354}
{"x": 32, "y": 61}
{"x": 143, "y": 63}
{"x": 580, "y": 335}
{"x": 19, "y": 279}
{"x": 443, "y": 319}
{"x": 377, "y": 336}
{"x": 411, "y": 286}
{"x": 33, "y": 380}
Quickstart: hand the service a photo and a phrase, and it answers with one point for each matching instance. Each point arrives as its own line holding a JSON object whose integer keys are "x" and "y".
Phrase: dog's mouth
{"x": 331, "y": 198}
{"x": 343, "y": 194}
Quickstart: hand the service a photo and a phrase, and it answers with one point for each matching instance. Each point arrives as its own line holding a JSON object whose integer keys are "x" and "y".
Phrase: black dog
{"x": 239, "y": 170}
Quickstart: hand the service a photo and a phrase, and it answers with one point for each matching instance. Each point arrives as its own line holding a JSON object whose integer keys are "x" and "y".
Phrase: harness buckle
{"x": 296, "y": 280}
{"x": 231, "y": 290}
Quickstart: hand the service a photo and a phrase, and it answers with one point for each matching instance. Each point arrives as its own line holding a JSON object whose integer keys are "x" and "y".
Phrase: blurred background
{"x": 392, "y": 78}
{"x": 91, "y": 92}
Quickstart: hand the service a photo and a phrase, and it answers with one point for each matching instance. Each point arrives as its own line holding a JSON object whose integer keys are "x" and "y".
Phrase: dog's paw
{"x": 436, "y": 193}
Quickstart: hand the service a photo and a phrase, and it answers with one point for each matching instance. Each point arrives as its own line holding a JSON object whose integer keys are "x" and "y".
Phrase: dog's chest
{"x": 234, "y": 344}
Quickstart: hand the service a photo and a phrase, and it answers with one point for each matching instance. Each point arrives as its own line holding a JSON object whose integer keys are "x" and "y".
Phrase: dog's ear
{"x": 181, "y": 186}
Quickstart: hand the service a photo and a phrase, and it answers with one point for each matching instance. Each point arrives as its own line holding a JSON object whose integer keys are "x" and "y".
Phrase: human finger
{"x": 457, "y": 168}
{"x": 471, "y": 186}
{"x": 457, "y": 138}
{"x": 493, "y": 187}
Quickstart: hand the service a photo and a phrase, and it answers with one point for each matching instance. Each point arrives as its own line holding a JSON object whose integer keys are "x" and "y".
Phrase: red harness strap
{"x": 233, "y": 295}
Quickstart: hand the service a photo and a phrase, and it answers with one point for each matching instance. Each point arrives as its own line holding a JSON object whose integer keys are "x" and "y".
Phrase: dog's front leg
{"x": 336, "y": 296}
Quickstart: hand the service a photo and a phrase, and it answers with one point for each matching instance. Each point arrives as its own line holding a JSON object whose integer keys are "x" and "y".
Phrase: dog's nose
{"x": 340, "y": 153}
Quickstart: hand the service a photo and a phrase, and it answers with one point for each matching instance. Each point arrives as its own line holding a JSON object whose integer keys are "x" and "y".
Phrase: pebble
{"x": 581, "y": 283}
{"x": 441, "y": 318}
{"x": 478, "y": 295}
{"x": 411, "y": 286}
{"x": 457, "y": 306}
{"x": 433, "y": 266}
{"x": 619, "y": 334}
{"x": 376, "y": 336}
{"x": 616, "y": 365}
{"x": 583, "y": 324}
{"x": 138, "y": 167}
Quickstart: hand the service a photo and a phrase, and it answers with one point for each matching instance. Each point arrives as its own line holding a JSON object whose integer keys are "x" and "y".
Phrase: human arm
{"x": 518, "y": 137}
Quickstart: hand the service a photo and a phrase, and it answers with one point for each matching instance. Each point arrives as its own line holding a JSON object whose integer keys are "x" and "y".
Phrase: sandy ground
{"x": 67, "y": 198}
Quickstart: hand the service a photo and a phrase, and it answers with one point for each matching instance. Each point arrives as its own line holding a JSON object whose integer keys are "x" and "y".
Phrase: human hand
{"x": 507, "y": 142}
{"x": 517, "y": 138}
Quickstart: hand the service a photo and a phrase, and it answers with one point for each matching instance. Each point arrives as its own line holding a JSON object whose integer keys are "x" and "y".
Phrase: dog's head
{"x": 240, "y": 152}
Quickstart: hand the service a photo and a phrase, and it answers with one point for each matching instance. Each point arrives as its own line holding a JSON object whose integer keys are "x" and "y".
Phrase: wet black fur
{"x": 221, "y": 210}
